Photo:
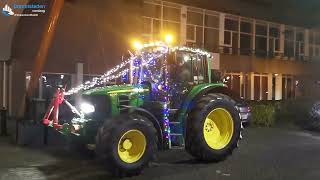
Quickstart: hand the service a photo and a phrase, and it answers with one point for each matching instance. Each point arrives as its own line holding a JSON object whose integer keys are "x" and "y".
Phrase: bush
{"x": 263, "y": 115}
{"x": 296, "y": 111}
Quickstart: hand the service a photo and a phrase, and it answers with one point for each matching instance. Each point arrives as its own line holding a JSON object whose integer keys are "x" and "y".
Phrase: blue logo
{"x": 7, "y": 11}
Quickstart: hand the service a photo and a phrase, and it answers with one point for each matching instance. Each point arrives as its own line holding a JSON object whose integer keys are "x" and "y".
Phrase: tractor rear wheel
{"x": 213, "y": 128}
{"x": 127, "y": 144}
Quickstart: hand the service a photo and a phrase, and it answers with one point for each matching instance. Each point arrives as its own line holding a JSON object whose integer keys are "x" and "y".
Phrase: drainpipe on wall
{"x": 4, "y": 85}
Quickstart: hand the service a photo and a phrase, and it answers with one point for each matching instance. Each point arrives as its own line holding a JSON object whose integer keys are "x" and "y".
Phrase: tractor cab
{"x": 171, "y": 72}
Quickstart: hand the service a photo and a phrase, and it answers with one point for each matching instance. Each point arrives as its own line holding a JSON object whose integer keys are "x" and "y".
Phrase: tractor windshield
{"x": 149, "y": 66}
{"x": 189, "y": 67}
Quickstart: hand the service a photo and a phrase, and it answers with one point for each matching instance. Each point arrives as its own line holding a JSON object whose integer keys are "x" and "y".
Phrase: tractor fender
{"x": 219, "y": 89}
{"x": 200, "y": 90}
{"x": 153, "y": 120}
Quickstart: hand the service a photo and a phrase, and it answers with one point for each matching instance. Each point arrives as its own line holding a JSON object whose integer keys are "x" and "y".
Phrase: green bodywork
{"x": 136, "y": 95}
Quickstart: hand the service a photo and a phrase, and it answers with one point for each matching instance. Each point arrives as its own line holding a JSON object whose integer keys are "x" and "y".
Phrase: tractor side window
{"x": 202, "y": 69}
{"x": 189, "y": 67}
{"x": 183, "y": 69}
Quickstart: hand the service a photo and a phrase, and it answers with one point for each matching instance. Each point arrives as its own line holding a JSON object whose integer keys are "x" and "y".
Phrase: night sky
{"x": 294, "y": 12}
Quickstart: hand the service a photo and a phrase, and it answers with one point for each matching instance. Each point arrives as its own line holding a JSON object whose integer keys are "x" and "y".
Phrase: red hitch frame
{"x": 54, "y": 110}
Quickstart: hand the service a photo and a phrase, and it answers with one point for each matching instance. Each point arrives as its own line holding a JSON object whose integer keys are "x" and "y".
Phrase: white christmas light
{"x": 158, "y": 49}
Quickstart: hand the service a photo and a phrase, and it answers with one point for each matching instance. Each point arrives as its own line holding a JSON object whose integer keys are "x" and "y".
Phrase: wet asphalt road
{"x": 264, "y": 154}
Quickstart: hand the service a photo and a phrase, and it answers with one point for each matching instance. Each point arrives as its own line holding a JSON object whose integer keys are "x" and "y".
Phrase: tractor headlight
{"x": 87, "y": 108}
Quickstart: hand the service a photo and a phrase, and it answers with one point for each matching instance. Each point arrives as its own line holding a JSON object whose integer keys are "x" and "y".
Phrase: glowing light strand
{"x": 192, "y": 50}
{"x": 148, "y": 70}
{"x": 159, "y": 47}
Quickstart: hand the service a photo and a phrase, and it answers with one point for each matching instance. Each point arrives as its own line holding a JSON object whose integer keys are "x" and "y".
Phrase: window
{"x": 299, "y": 50}
{"x": 261, "y": 30}
{"x": 289, "y": 42}
{"x": 233, "y": 81}
{"x": 151, "y": 10}
{"x": 261, "y": 40}
{"x": 172, "y": 14}
{"x": 245, "y": 38}
{"x": 260, "y": 87}
{"x": 264, "y": 88}
{"x": 287, "y": 87}
{"x": 211, "y": 38}
{"x": 191, "y": 33}
{"x": 199, "y": 37}
{"x": 274, "y": 32}
{"x": 193, "y": 70}
{"x": 50, "y": 83}
{"x": 317, "y": 38}
{"x": 156, "y": 28}
{"x": 274, "y": 41}
{"x": 300, "y": 36}
{"x": 261, "y": 46}
{"x": 245, "y": 27}
{"x": 311, "y": 53}
{"x": 227, "y": 38}
{"x": 194, "y": 18}
{"x": 231, "y": 24}
{"x": 211, "y": 21}
{"x": 314, "y": 44}
{"x": 311, "y": 38}
{"x": 256, "y": 87}
{"x": 245, "y": 44}
{"x": 231, "y": 36}
{"x": 146, "y": 26}
{"x": 173, "y": 28}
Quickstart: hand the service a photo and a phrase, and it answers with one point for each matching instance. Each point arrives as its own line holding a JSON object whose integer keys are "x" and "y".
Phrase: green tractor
{"x": 169, "y": 103}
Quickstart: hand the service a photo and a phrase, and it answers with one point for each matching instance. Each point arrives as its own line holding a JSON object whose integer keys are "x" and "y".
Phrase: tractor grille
{"x": 101, "y": 104}
{"x": 123, "y": 102}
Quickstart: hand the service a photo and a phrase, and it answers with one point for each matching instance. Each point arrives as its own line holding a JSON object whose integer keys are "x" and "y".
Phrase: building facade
{"x": 259, "y": 59}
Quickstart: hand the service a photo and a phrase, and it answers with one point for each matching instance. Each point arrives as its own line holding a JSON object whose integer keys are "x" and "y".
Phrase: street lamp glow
{"x": 169, "y": 38}
{"x": 137, "y": 45}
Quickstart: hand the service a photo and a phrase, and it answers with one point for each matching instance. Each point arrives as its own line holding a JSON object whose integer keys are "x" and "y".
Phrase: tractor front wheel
{"x": 126, "y": 144}
{"x": 213, "y": 128}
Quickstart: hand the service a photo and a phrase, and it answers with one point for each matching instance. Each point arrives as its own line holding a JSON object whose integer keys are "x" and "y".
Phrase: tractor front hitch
{"x": 53, "y": 110}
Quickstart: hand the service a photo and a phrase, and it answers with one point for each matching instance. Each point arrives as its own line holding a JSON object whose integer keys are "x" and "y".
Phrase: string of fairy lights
{"x": 122, "y": 69}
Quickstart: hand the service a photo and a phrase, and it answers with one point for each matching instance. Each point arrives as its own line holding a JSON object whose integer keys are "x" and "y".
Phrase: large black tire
{"x": 196, "y": 144}
{"x": 109, "y": 135}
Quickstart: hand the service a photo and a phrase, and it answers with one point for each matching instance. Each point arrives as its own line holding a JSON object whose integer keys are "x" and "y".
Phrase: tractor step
{"x": 174, "y": 123}
{"x": 178, "y": 147}
{"x": 173, "y": 110}
{"x": 177, "y": 136}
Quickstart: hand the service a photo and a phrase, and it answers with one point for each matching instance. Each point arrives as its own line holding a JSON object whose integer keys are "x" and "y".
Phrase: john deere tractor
{"x": 170, "y": 102}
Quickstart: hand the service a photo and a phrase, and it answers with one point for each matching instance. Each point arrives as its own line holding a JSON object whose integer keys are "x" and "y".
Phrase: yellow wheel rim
{"x": 218, "y": 128}
{"x": 132, "y": 146}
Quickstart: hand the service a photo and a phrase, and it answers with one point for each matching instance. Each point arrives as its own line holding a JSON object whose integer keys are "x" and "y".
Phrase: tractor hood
{"x": 117, "y": 89}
